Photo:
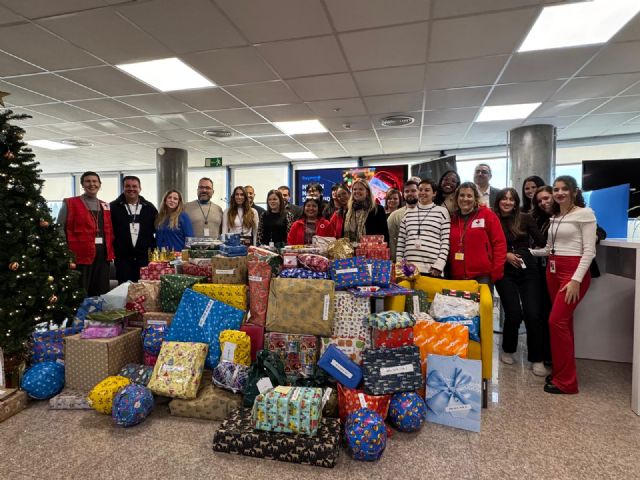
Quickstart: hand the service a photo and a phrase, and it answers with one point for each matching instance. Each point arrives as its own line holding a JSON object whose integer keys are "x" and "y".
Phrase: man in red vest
{"x": 86, "y": 222}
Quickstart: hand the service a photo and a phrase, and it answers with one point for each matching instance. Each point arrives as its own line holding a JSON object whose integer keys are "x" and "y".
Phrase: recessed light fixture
{"x": 506, "y": 112}
{"x": 167, "y": 74}
{"x": 76, "y": 142}
{"x": 397, "y": 121}
{"x": 300, "y": 127}
{"x": 218, "y": 133}
{"x": 50, "y": 145}
{"x": 583, "y": 23}
{"x": 299, "y": 155}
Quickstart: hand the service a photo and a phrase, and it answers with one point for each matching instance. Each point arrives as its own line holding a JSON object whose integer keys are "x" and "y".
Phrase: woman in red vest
{"x": 311, "y": 223}
{"x": 86, "y": 222}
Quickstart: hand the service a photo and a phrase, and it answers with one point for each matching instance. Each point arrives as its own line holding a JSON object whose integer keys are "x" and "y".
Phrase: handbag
{"x": 267, "y": 365}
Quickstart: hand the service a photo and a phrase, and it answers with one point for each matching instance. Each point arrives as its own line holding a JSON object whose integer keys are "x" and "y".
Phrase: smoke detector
{"x": 72, "y": 142}
{"x": 218, "y": 133}
{"x": 397, "y": 121}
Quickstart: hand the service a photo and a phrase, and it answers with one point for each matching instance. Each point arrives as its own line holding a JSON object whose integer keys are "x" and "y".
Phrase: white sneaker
{"x": 539, "y": 369}
{"x": 506, "y": 358}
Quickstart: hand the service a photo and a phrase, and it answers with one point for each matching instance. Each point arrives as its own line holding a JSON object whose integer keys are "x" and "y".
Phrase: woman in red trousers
{"x": 571, "y": 247}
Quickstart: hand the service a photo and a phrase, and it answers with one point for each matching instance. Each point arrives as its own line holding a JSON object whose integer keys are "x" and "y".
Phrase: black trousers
{"x": 95, "y": 276}
{"x": 521, "y": 296}
{"x": 128, "y": 268}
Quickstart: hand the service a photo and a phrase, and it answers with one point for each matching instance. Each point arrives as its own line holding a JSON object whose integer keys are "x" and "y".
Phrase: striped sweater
{"x": 429, "y": 226}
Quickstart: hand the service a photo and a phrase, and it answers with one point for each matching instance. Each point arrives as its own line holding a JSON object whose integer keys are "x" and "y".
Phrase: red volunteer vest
{"x": 81, "y": 230}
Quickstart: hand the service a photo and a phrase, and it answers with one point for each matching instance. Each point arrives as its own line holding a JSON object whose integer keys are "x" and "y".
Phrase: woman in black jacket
{"x": 520, "y": 288}
{"x": 364, "y": 216}
{"x": 275, "y": 222}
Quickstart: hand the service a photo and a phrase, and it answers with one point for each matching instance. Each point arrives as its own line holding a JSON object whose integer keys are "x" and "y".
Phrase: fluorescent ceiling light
{"x": 49, "y": 145}
{"x": 167, "y": 74}
{"x": 584, "y": 23}
{"x": 507, "y": 112}
{"x": 299, "y": 155}
{"x": 300, "y": 127}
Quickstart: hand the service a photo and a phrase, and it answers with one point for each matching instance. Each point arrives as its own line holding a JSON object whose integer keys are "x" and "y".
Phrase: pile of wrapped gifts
{"x": 285, "y": 349}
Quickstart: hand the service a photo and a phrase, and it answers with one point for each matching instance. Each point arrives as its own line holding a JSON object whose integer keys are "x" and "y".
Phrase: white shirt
{"x": 238, "y": 227}
{"x": 485, "y": 196}
{"x": 134, "y": 226}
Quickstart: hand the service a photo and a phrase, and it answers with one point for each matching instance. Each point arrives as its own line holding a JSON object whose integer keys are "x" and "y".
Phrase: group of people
{"x": 536, "y": 253}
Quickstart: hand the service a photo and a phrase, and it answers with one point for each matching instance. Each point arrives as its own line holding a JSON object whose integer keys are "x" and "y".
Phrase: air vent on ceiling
{"x": 72, "y": 142}
{"x": 397, "y": 121}
{"x": 218, "y": 133}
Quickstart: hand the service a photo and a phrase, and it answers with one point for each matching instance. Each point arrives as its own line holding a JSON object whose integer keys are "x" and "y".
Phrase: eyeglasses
{"x": 205, "y": 188}
{"x": 483, "y": 172}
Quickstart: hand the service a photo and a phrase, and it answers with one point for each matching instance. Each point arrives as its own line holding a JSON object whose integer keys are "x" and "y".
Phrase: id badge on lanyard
{"x": 552, "y": 266}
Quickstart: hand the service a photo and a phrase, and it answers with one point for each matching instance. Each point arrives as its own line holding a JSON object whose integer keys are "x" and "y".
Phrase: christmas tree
{"x": 37, "y": 282}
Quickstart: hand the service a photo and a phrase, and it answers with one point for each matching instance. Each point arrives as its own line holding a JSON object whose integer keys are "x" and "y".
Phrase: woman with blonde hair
{"x": 364, "y": 216}
{"x": 241, "y": 218}
{"x": 173, "y": 225}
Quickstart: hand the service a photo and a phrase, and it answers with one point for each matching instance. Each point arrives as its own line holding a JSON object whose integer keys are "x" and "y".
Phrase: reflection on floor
{"x": 526, "y": 434}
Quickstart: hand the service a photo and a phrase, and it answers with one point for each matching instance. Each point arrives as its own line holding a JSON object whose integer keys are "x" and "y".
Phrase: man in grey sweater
{"x": 206, "y": 216}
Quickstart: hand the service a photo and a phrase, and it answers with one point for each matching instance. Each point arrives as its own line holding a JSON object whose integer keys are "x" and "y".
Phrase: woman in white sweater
{"x": 235, "y": 220}
{"x": 571, "y": 247}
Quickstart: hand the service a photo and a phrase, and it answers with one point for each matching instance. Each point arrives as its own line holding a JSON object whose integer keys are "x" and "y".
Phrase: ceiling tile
{"x": 348, "y": 135}
{"x": 238, "y": 141}
{"x": 231, "y": 66}
{"x": 35, "y": 45}
{"x": 286, "y": 113}
{"x": 108, "y": 108}
{"x": 604, "y": 120}
{"x": 360, "y": 122}
{"x": 180, "y": 135}
{"x": 621, "y": 104}
{"x": 386, "y": 47}
{"x": 266, "y": 93}
{"x": 56, "y": 87}
{"x": 311, "y": 138}
{"x": 150, "y": 123}
{"x": 206, "y": 99}
{"x": 279, "y": 141}
{"x": 21, "y": 97}
{"x": 575, "y": 132}
{"x": 185, "y": 26}
{"x": 456, "y": 98}
{"x": 289, "y": 147}
{"x": 44, "y": 8}
{"x": 449, "y": 130}
{"x": 191, "y": 120}
{"x": 474, "y": 36}
{"x": 109, "y": 126}
{"x": 465, "y": 73}
{"x": 40, "y": 133}
{"x": 156, "y": 103}
{"x": 592, "y": 87}
{"x": 324, "y": 87}
{"x": 256, "y": 151}
{"x": 635, "y": 90}
{"x": 356, "y": 14}
{"x": 491, "y": 131}
{"x": 358, "y": 149}
{"x": 111, "y": 140}
{"x": 400, "y": 145}
{"x": 277, "y": 19}
{"x": 338, "y": 108}
{"x": 615, "y": 58}
{"x": 143, "y": 137}
{"x": 570, "y": 107}
{"x": 108, "y": 80}
{"x": 73, "y": 129}
{"x": 10, "y": 65}
{"x": 451, "y": 8}
{"x": 390, "y": 80}
{"x": 307, "y": 57}
{"x": 238, "y": 116}
{"x": 402, "y": 102}
{"x": 452, "y": 115}
{"x": 89, "y": 29}
{"x": 558, "y": 122}
{"x": 623, "y": 130}
{"x": 400, "y": 132}
{"x": 631, "y": 31}
{"x": 546, "y": 64}
{"x": 529, "y": 92}
{"x": 65, "y": 112}
{"x": 327, "y": 150}
{"x": 259, "y": 130}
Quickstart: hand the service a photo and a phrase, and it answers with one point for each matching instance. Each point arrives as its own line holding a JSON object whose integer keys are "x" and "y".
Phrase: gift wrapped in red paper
{"x": 398, "y": 337}
{"x": 372, "y": 240}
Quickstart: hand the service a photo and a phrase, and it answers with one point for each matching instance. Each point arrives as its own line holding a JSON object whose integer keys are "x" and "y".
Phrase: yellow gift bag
{"x": 101, "y": 397}
{"x": 235, "y": 347}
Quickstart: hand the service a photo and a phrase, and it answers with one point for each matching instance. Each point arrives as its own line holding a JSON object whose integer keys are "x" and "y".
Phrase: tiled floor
{"x": 526, "y": 433}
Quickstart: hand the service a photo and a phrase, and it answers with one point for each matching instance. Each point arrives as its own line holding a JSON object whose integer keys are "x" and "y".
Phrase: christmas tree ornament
{"x": 13, "y": 266}
{"x": 72, "y": 266}
{"x": 44, "y": 224}
{"x": 50, "y": 279}
{"x": 53, "y": 299}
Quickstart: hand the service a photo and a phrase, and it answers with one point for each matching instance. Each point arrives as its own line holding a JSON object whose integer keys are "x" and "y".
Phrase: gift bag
{"x": 235, "y": 346}
{"x": 229, "y": 270}
{"x": 150, "y": 290}
{"x": 230, "y": 376}
{"x": 171, "y": 289}
{"x": 265, "y": 373}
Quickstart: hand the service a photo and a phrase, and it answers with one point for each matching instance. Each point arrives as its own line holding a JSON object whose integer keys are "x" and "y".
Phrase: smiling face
{"x": 285, "y": 194}
{"x": 359, "y": 192}
{"x": 342, "y": 196}
{"x": 425, "y": 194}
{"x": 393, "y": 202}
{"x": 205, "y": 190}
{"x": 274, "y": 203}
{"x": 507, "y": 204}
{"x": 311, "y": 210}
{"x": 172, "y": 201}
{"x": 411, "y": 194}
{"x": 251, "y": 193}
{"x": 313, "y": 193}
{"x": 91, "y": 185}
{"x": 562, "y": 194}
{"x": 239, "y": 197}
{"x": 544, "y": 200}
{"x": 449, "y": 183}
{"x": 466, "y": 200}
{"x": 482, "y": 175}
{"x": 530, "y": 189}
{"x": 131, "y": 190}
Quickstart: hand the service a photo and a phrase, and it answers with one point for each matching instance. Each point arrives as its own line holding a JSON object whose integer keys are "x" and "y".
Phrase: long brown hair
{"x": 513, "y": 221}
{"x": 248, "y": 221}
{"x": 165, "y": 214}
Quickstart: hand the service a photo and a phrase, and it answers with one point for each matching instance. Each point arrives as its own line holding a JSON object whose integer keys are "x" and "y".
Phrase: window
{"x": 262, "y": 179}
{"x": 57, "y": 187}
{"x": 575, "y": 170}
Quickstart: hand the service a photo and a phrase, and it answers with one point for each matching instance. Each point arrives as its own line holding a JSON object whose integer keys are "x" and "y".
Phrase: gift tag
{"x": 326, "y": 396}
{"x": 228, "y": 352}
{"x": 363, "y": 401}
{"x": 416, "y": 304}
{"x": 206, "y": 232}
{"x": 552, "y": 266}
{"x": 459, "y": 256}
{"x": 264, "y": 385}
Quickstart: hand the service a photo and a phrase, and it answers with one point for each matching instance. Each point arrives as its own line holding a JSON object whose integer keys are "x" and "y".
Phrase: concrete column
{"x": 532, "y": 151}
{"x": 171, "y": 171}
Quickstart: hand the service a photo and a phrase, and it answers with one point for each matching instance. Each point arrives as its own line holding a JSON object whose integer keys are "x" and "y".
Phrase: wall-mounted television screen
{"x": 597, "y": 174}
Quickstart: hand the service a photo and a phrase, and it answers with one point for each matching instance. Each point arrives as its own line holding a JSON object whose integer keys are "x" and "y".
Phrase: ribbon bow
{"x": 137, "y": 305}
{"x": 447, "y": 392}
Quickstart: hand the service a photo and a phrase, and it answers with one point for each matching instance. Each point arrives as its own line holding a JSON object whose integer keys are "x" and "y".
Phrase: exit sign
{"x": 213, "y": 162}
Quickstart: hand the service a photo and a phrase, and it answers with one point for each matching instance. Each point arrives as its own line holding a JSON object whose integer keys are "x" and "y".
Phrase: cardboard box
{"x": 89, "y": 361}
{"x": 12, "y": 401}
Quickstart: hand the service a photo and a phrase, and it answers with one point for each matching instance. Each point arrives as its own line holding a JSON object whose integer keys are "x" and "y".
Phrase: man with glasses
{"x": 205, "y": 216}
{"x": 481, "y": 177}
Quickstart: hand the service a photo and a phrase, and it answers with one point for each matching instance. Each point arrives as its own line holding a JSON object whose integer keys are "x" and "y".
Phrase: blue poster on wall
{"x": 610, "y": 207}
{"x": 327, "y": 177}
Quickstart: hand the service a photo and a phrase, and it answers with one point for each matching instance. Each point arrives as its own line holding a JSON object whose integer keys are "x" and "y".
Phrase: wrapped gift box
{"x": 171, "y": 289}
{"x": 349, "y": 314}
{"x": 301, "y": 306}
{"x": 441, "y": 339}
{"x": 337, "y": 364}
{"x": 150, "y": 290}
{"x": 234, "y": 295}
{"x": 350, "y": 400}
{"x": 201, "y": 319}
{"x": 229, "y": 270}
{"x": 12, "y": 401}
{"x": 398, "y": 337}
{"x": 178, "y": 371}
{"x": 88, "y": 362}
{"x": 390, "y": 320}
{"x": 380, "y": 272}
{"x": 155, "y": 270}
{"x": 110, "y": 317}
{"x": 372, "y": 240}
{"x": 197, "y": 270}
{"x": 350, "y": 346}
{"x": 475, "y": 296}
{"x": 212, "y": 403}
{"x": 256, "y": 334}
{"x": 317, "y": 263}
{"x": 200, "y": 253}
{"x": 299, "y": 353}
{"x": 70, "y": 399}
{"x": 156, "y": 318}
{"x": 417, "y": 302}
{"x": 237, "y": 435}
{"x": 235, "y": 346}
{"x": 350, "y": 272}
{"x": 48, "y": 346}
{"x": 454, "y": 392}
{"x": 288, "y": 410}
{"x": 137, "y": 373}
{"x": 260, "y": 266}
{"x": 303, "y": 273}
{"x": 374, "y": 252}
{"x": 392, "y": 370}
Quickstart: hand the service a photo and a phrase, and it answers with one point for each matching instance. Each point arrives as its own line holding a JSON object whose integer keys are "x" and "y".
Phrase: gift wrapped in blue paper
{"x": 200, "y": 319}
{"x": 233, "y": 250}
{"x": 472, "y": 322}
{"x": 350, "y": 272}
{"x": 380, "y": 272}
{"x": 454, "y": 391}
{"x": 391, "y": 370}
{"x": 303, "y": 273}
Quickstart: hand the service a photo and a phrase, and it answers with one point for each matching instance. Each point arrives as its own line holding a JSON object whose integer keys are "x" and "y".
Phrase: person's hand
{"x": 514, "y": 259}
{"x": 572, "y": 290}
{"x": 434, "y": 272}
